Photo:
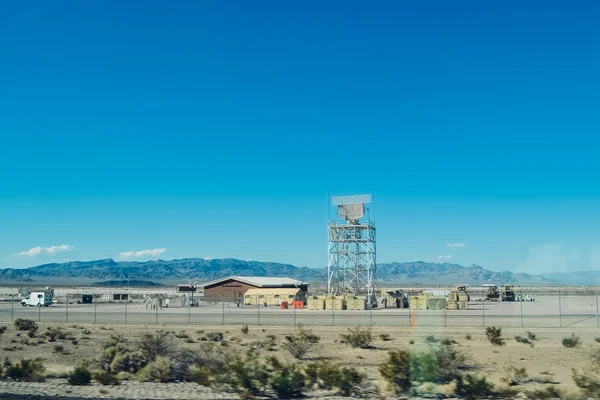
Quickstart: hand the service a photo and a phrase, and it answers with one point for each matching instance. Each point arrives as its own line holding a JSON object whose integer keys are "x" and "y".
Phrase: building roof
{"x": 271, "y": 292}
{"x": 260, "y": 281}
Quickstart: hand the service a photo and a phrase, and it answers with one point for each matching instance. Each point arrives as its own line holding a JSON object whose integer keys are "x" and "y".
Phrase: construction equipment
{"x": 493, "y": 293}
{"x": 508, "y": 293}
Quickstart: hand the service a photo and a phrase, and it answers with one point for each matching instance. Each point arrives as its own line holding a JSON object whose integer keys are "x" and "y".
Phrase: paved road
{"x": 577, "y": 311}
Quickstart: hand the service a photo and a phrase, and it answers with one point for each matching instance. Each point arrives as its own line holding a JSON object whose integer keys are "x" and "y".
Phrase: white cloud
{"x": 456, "y": 245}
{"x": 142, "y": 253}
{"x": 52, "y": 250}
{"x": 58, "y": 249}
{"x": 443, "y": 258}
{"x": 34, "y": 251}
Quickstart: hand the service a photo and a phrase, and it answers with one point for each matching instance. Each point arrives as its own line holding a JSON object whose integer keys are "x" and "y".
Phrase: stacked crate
{"x": 335, "y": 303}
{"x": 418, "y": 302}
{"x": 436, "y": 303}
{"x": 356, "y": 302}
{"x": 315, "y": 303}
{"x": 463, "y": 300}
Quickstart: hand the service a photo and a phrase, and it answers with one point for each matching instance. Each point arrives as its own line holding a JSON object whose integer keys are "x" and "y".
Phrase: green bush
{"x": 331, "y": 376}
{"x": 245, "y": 329}
{"x": 531, "y": 336}
{"x": 468, "y": 337}
{"x": 59, "y": 348}
{"x": 301, "y": 343}
{"x": 79, "y": 376}
{"x": 25, "y": 370}
{"x": 105, "y": 378}
{"x": 159, "y": 345}
{"x": 523, "y": 340}
{"x": 396, "y": 371}
{"x": 597, "y": 339}
{"x": 25, "y": 324}
{"x": 156, "y": 371}
{"x": 286, "y": 380}
{"x": 441, "y": 364}
{"x": 471, "y": 388}
{"x": 2, "y": 329}
{"x": 32, "y": 332}
{"x": 129, "y": 361}
{"x": 358, "y": 338}
{"x": 247, "y": 375}
{"x": 494, "y": 335}
{"x": 431, "y": 339}
{"x": 571, "y": 341}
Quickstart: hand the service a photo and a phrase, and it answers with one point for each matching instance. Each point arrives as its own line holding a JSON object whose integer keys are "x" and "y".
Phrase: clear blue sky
{"x": 217, "y": 129}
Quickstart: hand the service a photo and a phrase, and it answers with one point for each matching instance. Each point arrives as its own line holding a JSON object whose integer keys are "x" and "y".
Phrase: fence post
{"x": 332, "y": 311}
{"x": 12, "y": 306}
{"x": 483, "y": 311}
{"x": 445, "y": 317}
{"x": 223, "y": 314}
{"x": 39, "y": 312}
{"x": 559, "y": 309}
{"x": 126, "y": 301}
{"x": 597, "y": 316}
{"x": 257, "y": 311}
{"x": 371, "y": 314}
{"x": 521, "y": 310}
{"x": 156, "y": 308}
{"x": 94, "y": 299}
{"x": 67, "y": 313}
{"x": 294, "y": 316}
{"x": 189, "y": 310}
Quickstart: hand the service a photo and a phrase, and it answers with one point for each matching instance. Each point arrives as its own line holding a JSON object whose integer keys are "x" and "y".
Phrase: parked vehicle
{"x": 38, "y": 299}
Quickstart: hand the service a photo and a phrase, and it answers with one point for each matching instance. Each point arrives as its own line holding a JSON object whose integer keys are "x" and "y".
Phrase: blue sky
{"x": 212, "y": 129}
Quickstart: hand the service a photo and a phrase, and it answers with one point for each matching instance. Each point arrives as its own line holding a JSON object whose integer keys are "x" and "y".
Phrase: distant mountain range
{"x": 201, "y": 270}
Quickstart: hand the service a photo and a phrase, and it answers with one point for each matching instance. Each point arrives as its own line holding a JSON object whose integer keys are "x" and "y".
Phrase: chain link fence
{"x": 560, "y": 310}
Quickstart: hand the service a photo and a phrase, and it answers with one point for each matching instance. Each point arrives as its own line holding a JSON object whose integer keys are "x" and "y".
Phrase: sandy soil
{"x": 547, "y": 363}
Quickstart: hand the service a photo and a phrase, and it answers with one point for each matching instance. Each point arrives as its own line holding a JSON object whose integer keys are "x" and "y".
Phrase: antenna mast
{"x": 352, "y": 266}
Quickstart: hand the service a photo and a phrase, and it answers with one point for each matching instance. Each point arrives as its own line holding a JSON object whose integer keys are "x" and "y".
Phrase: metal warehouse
{"x": 233, "y": 288}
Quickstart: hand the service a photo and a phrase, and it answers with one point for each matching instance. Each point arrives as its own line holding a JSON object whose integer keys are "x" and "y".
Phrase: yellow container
{"x": 315, "y": 303}
{"x": 452, "y": 305}
{"x": 356, "y": 303}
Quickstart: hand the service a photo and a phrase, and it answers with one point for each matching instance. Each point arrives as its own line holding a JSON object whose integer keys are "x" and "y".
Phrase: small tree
{"x": 358, "y": 338}
{"x": 80, "y": 376}
{"x": 494, "y": 335}
{"x": 301, "y": 343}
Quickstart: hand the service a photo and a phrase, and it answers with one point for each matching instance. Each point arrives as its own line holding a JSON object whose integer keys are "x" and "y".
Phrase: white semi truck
{"x": 38, "y": 299}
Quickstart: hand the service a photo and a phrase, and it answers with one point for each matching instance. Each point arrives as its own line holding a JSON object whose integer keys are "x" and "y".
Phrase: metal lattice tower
{"x": 352, "y": 266}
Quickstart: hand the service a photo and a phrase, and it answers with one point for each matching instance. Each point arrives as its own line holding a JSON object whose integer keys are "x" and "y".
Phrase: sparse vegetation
{"x": 358, "y": 337}
{"x": 515, "y": 375}
{"x": 468, "y": 337}
{"x": 25, "y": 370}
{"x": 523, "y": 340}
{"x": 411, "y": 342}
{"x": 301, "y": 343}
{"x": 531, "y": 336}
{"x": 105, "y": 377}
{"x": 549, "y": 392}
{"x": 214, "y": 336}
{"x": 86, "y": 331}
{"x": 182, "y": 335}
{"x": 471, "y": 388}
{"x": 58, "y": 348}
{"x": 396, "y": 371}
{"x": 385, "y": 337}
{"x": 2, "y": 329}
{"x": 441, "y": 364}
{"x": 25, "y": 324}
{"x": 588, "y": 383}
{"x": 431, "y": 339}
{"x": 331, "y": 376}
{"x": 245, "y": 329}
{"x": 79, "y": 376}
{"x": 571, "y": 341}
{"x": 494, "y": 335}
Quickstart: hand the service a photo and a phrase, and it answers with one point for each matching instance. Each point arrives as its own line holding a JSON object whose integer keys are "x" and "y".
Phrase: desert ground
{"x": 547, "y": 362}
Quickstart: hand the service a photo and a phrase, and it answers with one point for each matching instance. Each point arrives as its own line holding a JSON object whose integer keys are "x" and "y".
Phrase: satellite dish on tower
{"x": 351, "y": 208}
